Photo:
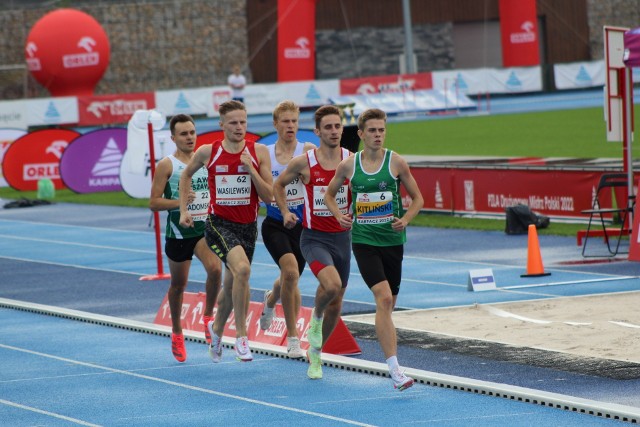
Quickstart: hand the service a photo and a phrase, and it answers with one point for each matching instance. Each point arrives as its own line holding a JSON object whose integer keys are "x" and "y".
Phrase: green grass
{"x": 576, "y": 133}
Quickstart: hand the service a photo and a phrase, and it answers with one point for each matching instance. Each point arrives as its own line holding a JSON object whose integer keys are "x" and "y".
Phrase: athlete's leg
{"x": 240, "y": 267}
{"x": 290, "y": 296}
{"x": 225, "y": 304}
{"x": 331, "y": 315}
{"x": 385, "y": 328}
{"x": 179, "y": 274}
{"x": 213, "y": 267}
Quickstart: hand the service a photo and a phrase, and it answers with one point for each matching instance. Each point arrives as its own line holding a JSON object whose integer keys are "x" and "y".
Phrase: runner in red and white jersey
{"x": 316, "y": 215}
{"x": 239, "y": 173}
{"x": 324, "y": 244}
{"x": 233, "y": 197}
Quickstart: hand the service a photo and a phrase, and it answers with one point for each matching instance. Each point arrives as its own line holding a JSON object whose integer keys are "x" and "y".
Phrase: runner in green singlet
{"x": 378, "y": 224}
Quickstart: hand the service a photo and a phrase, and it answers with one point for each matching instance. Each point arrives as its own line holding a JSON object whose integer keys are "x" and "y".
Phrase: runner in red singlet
{"x": 239, "y": 172}
{"x": 325, "y": 245}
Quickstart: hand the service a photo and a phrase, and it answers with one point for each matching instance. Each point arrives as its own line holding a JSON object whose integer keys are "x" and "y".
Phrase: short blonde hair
{"x": 283, "y": 107}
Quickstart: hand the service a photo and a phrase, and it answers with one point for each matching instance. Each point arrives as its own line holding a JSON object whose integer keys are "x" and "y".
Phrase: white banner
{"x": 52, "y": 111}
{"x": 13, "y": 115}
{"x": 489, "y": 80}
{"x": 577, "y": 75}
{"x": 135, "y": 168}
{"x": 188, "y": 101}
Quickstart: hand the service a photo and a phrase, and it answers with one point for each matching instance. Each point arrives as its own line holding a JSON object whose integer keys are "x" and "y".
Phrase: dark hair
{"x": 325, "y": 110}
{"x": 179, "y": 118}
{"x": 229, "y": 106}
{"x": 371, "y": 114}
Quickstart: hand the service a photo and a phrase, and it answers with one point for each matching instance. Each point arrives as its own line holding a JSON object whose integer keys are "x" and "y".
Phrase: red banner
{"x": 36, "y": 156}
{"x": 519, "y": 33}
{"x": 340, "y": 341}
{"x": 386, "y": 84}
{"x": 111, "y": 109}
{"x": 296, "y": 40}
{"x": 490, "y": 191}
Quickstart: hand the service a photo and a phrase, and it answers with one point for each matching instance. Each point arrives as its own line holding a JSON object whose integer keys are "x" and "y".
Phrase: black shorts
{"x": 180, "y": 250}
{"x": 380, "y": 263}
{"x": 223, "y": 235}
{"x": 280, "y": 240}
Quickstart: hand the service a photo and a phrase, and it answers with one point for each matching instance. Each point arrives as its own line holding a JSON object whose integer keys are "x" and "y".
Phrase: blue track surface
{"x": 90, "y": 258}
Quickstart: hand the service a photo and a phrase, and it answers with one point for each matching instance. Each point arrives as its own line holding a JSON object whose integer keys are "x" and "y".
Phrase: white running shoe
{"x": 215, "y": 348}
{"x": 293, "y": 348}
{"x": 267, "y": 313}
{"x": 400, "y": 380}
{"x": 243, "y": 352}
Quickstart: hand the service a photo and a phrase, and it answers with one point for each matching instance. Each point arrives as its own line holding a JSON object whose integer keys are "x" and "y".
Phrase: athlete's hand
{"x": 398, "y": 224}
{"x": 245, "y": 159}
{"x": 289, "y": 220}
{"x": 191, "y": 197}
{"x": 345, "y": 221}
{"x": 186, "y": 220}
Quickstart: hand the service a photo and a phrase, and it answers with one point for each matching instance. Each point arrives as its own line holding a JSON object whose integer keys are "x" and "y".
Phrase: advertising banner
{"x": 296, "y": 40}
{"x": 383, "y": 84}
{"x": 7, "y": 136}
{"x": 519, "y": 33}
{"x": 578, "y": 75}
{"x": 112, "y": 109}
{"x": 187, "y": 101}
{"x": 36, "y": 156}
{"x": 91, "y": 162}
{"x": 13, "y": 115}
{"x": 490, "y": 191}
{"x": 52, "y": 111}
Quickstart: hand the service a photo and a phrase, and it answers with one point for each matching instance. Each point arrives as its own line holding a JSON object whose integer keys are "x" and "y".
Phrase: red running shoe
{"x": 177, "y": 347}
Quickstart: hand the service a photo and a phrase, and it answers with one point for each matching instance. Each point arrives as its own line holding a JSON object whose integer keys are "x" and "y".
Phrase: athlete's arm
{"x": 261, "y": 178}
{"x": 344, "y": 170}
{"x": 200, "y": 158}
{"x": 157, "y": 202}
{"x": 293, "y": 170}
{"x": 400, "y": 165}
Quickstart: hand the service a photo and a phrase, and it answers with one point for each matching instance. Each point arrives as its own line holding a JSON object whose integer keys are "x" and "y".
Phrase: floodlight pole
{"x": 408, "y": 37}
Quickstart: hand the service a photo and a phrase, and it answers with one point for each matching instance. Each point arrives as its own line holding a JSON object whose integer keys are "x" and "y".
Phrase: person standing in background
{"x": 181, "y": 243}
{"x": 237, "y": 82}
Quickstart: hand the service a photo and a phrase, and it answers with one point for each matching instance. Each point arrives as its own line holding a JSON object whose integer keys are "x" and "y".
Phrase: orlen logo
{"x": 36, "y": 171}
{"x": 300, "y": 52}
{"x": 33, "y": 63}
{"x": 88, "y": 59}
{"x": 116, "y": 107}
{"x": 527, "y": 35}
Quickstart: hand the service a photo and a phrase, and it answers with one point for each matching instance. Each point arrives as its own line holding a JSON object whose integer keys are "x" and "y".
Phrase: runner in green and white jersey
{"x": 181, "y": 243}
{"x": 378, "y": 224}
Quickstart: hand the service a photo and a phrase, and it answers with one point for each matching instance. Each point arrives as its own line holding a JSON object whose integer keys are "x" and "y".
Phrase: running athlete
{"x": 324, "y": 243}
{"x": 239, "y": 171}
{"x": 284, "y": 243}
{"x": 183, "y": 242}
{"x": 378, "y": 226}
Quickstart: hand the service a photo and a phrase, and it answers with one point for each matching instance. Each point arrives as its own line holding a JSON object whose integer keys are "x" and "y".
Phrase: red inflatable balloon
{"x": 67, "y": 52}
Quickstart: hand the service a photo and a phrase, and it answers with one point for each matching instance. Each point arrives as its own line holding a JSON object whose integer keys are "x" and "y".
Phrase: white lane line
{"x": 50, "y": 414}
{"x": 83, "y": 245}
{"x": 188, "y": 387}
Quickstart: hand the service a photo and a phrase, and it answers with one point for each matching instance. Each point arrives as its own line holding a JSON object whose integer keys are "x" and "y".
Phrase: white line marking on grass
{"x": 188, "y": 387}
{"x": 50, "y": 414}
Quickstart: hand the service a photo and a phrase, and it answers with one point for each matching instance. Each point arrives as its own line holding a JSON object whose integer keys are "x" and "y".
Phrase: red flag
{"x": 296, "y": 40}
{"x": 519, "y": 33}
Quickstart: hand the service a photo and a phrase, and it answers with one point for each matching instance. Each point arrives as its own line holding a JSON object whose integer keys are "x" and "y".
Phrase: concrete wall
{"x": 154, "y": 45}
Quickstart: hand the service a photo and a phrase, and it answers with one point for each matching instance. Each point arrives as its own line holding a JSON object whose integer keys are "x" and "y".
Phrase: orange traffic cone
{"x": 534, "y": 259}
